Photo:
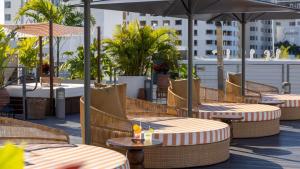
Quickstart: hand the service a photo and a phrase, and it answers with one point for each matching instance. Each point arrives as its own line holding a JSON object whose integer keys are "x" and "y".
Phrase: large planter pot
{"x": 134, "y": 83}
{"x": 4, "y": 98}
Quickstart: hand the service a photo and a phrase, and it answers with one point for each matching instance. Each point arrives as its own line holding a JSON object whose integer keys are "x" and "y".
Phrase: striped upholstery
{"x": 59, "y": 155}
{"x": 174, "y": 131}
{"x": 250, "y": 112}
{"x": 290, "y": 100}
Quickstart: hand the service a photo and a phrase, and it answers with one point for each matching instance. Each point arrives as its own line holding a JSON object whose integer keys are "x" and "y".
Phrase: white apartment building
{"x": 204, "y": 33}
{"x": 9, "y": 10}
{"x": 288, "y": 30}
{"x": 259, "y": 36}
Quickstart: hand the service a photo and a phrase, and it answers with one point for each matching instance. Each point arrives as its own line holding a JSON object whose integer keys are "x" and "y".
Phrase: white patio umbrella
{"x": 190, "y": 9}
{"x": 244, "y": 18}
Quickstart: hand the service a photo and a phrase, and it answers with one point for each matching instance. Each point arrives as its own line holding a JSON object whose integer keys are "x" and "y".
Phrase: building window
{"x": 154, "y": 23}
{"x": 292, "y": 23}
{"x": 209, "y": 32}
{"x": 195, "y": 43}
{"x": 178, "y": 22}
{"x": 166, "y": 22}
{"x": 142, "y": 14}
{"x": 7, "y": 4}
{"x": 210, "y": 22}
{"x": 252, "y": 28}
{"x": 179, "y": 32}
{"x": 142, "y": 23}
{"x": 195, "y": 33}
{"x": 227, "y": 23}
{"x": 227, "y": 33}
{"x": 278, "y": 24}
{"x": 208, "y": 52}
{"x": 211, "y": 42}
{"x": 195, "y": 22}
{"x": 7, "y": 17}
{"x": 195, "y": 53}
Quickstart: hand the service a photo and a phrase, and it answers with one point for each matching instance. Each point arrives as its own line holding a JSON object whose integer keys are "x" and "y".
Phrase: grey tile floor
{"x": 275, "y": 152}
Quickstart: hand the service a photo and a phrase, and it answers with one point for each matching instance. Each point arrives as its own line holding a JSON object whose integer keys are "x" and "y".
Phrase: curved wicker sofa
{"x": 18, "y": 131}
{"x": 290, "y": 110}
{"x": 105, "y": 125}
{"x": 259, "y": 120}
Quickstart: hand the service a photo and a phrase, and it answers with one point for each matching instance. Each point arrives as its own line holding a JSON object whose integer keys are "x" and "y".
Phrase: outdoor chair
{"x": 112, "y": 115}
{"x": 253, "y": 90}
{"x": 162, "y": 86}
{"x": 259, "y": 120}
{"x": 18, "y": 131}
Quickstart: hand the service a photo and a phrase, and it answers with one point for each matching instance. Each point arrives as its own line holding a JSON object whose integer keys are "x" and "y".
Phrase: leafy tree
{"x": 5, "y": 52}
{"x": 134, "y": 47}
{"x": 76, "y": 65}
{"x": 44, "y": 10}
{"x": 28, "y": 51}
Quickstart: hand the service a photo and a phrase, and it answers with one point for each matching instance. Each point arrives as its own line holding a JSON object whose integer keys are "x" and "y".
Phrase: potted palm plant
{"x": 5, "y": 52}
{"x": 133, "y": 47}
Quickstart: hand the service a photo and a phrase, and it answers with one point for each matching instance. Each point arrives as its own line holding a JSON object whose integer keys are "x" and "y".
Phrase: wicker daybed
{"x": 18, "y": 131}
{"x": 290, "y": 110}
{"x": 187, "y": 142}
{"x": 259, "y": 120}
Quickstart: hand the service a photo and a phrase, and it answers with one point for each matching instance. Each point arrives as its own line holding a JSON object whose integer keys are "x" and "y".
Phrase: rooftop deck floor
{"x": 276, "y": 152}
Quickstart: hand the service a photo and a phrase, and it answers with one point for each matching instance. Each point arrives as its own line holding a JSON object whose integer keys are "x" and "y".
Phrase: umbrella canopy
{"x": 190, "y": 9}
{"x": 42, "y": 29}
{"x": 179, "y": 8}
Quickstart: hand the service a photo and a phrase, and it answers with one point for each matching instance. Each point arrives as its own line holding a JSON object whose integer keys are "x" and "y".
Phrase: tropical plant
{"x": 183, "y": 72}
{"x": 28, "y": 50}
{"x": 134, "y": 47}
{"x": 5, "y": 52}
{"x": 44, "y": 11}
{"x": 284, "y": 52}
{"x": 76, "y": 65}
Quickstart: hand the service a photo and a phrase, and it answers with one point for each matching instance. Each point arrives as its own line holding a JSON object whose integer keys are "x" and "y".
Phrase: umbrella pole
{"x": 51, "y": 61}
{"x": 87, "y": 74}
{"x": 57, "y": 56}
{"x": 40, "y": 57}
{"x": 99, "y": 54}
{"x": 243, "y": 55}
{"x": 190, "y": 65}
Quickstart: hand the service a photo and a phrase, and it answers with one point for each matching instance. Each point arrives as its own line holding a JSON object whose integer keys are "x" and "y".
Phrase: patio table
{"x": 63, "y": 155}
{"x": 291, "y": 105}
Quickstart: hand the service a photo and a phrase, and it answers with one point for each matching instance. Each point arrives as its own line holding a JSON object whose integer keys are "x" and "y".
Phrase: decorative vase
{"x": 4, "y": 98}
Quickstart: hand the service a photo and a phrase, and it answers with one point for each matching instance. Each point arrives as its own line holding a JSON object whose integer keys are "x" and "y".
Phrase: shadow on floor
{"x": 243, "y": 162}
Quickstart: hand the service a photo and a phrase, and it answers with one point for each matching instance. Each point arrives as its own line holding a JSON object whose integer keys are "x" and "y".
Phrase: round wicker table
{"x": 290, "y": 109}
{"x": 135, "y": 151}
{"x": 67, "y": 155}
{"x": 187, "y": 142}
{"x": 258, "y": 120}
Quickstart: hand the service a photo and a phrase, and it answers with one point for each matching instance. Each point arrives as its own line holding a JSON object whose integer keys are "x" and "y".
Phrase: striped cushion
{"x": 60, "y": 155}
{"x": 250, "y": 112}
{"x": 290, "y": 100}
{"x": 174, "y": 131}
